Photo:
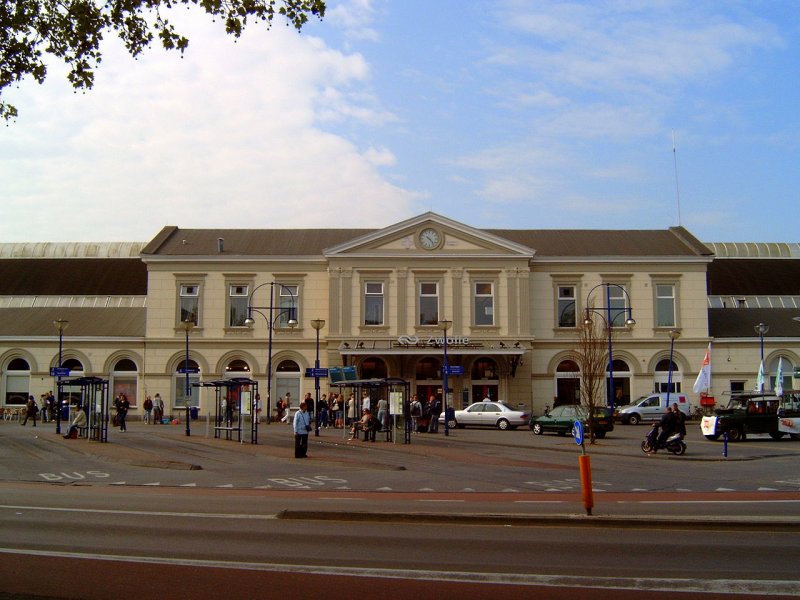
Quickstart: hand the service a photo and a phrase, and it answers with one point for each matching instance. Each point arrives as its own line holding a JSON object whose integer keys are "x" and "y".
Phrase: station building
{"x": 512, "y": 299}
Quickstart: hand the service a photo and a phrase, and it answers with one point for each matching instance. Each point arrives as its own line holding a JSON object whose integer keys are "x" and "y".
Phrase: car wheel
{"x": 776, "y": 435}
{"x": 502, "y": 424}
{"x": 634, "y": 419}
{"x": 452, "y": 424}
{"x": 537, "y": 429}
{"x": 735, "y": 435}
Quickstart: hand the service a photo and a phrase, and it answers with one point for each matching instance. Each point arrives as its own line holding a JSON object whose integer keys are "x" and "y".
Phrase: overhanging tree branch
{"x": 72, "y": 31}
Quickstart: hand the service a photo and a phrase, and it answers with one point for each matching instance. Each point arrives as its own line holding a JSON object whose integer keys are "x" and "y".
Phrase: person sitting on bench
{"x": 79, "y": 422}
{"x": 363, "y": 424}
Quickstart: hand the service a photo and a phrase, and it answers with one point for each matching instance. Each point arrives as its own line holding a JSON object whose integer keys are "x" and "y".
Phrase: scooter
{"x": 673, "y": 443}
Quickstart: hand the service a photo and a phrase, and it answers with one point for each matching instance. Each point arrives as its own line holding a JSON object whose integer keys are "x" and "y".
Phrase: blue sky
{"x": 501, "y": 114}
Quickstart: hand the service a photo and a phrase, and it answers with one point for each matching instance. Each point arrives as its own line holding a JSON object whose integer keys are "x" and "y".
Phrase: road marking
{"x": 538, "y": 502}
{"x": 439, "y": 500}
{"x": 752, "y": 587}
{"x": 707, "y": 501}
{"x": 188, "y": 515}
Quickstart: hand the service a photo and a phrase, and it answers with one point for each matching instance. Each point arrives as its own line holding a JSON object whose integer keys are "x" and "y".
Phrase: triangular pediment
{"x": 429, "y": 235}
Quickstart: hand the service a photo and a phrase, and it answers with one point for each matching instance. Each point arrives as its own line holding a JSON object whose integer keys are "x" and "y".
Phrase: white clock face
{"x": 429, "y": 238}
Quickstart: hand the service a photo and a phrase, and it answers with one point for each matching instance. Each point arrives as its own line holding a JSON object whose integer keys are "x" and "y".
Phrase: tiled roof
{"x": 172, "y": 241}
{"x": 83, "y": 322}
{"x": 754, "y": 277}
{"x": 739, "y": 322}
{"x": 73, "y": 276}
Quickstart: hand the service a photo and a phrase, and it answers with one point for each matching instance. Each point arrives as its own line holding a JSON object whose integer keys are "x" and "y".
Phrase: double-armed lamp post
{"x": 445, "y": 325}
{"x": 270, "y": 319}
{"x": 609, "y": 320}
{"x": 61, "y": 325}
{"x": 674, "y": 334}
{"x": 317, "y": 324}
{"x": 187, "y": 326}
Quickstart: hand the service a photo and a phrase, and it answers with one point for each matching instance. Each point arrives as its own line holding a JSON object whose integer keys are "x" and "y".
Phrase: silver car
{"x": 489, "y": 414}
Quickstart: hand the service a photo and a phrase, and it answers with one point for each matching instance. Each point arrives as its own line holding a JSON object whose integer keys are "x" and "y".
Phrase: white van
{"x": 652, "y": 407}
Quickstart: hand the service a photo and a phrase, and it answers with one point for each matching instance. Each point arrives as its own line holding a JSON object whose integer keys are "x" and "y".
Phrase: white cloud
{"x": 228, "y": 136}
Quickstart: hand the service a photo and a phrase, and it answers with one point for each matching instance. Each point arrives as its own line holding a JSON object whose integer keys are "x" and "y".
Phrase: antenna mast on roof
{"x": 677, "y": 186}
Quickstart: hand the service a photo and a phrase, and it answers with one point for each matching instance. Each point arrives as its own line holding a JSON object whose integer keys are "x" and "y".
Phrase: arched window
{"x": 17, "y": 382}
{"x": 288, "y": 366}
{"x": 287, "y": 380}
{"x": 484, "y": 368}
{"x": 663, "y": 377}
{"x": 568, "y": 383}
{"x": 180, "y": 397}
{"x": 125, "y": 379}
{"x": 373, "y": 368}
{"x": 73, "y": 364}
{"x": 429, "y": 368}
{"x": 237, "y": 366}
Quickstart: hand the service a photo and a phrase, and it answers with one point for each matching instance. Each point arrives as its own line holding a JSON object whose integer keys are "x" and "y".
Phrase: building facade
{"x": 512, "y": 301}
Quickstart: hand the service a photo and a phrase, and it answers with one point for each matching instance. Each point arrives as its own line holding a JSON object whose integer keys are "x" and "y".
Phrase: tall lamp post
{"x": 629, "y": 323}
{"x": 674, "y": 334}
{"x": 445, "y": 325}
{"x": 61, "y": 325}
{"x": 317, "y": 324}
{"x": 761, "y": 329}
{"x": 187, "y": 326}
{"x": 249, "y": 321}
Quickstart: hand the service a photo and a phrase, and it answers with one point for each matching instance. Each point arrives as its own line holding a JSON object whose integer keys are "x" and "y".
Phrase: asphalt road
{"x": 156, "y": 513}
{"x": 166, "y": 541}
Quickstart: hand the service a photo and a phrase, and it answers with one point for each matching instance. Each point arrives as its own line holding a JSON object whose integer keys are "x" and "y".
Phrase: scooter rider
{"x": 668, "y": 426}
{"x": 680, "y": 420}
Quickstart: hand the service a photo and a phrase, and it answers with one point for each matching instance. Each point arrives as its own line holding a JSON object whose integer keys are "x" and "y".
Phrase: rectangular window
{"x": 617, "y": 306}
{"x": 373, "y": 303}
{"x": 428, "y": 303}
{"x": 237, "y": 305}
{"x": 288, "y": 302}
{"x": 566, "y": 306}
{"x": 484, "y": 303}
{"x": 190, "y": 303}
{"x": 665, "y": 305}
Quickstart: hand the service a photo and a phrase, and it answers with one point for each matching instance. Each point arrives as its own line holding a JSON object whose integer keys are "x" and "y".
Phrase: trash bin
{"x": 450, "y": 416}
{"x": 194, "y": 411}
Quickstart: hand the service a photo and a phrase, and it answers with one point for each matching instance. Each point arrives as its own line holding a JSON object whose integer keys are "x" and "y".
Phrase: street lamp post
{"x": 249, "y": 321}
{"x": 61, "y": 325}
{"x": 761, "y": 329}
{"x": 187, "y": 326}
{"x": 674, "y": 334}
{"x": 317, "y": 324}
{"x": 445, "y": 325}
{"x": 629, "y": 323}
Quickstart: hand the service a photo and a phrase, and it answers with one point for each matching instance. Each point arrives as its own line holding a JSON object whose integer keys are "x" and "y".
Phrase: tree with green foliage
{"x": 71, "y": 30}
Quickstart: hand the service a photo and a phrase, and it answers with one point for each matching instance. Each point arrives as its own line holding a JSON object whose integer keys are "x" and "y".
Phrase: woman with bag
{"x": 301, "y": 427}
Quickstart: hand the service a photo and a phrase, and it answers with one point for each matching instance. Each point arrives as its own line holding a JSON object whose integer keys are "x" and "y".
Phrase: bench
{"x": 372, "y": 431}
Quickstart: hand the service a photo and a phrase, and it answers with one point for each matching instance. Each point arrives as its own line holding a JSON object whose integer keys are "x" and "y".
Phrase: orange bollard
{"x": 586, "y": 482}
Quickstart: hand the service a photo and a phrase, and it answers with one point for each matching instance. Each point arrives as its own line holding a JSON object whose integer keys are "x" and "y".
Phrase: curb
{"x": 764, "y": 524}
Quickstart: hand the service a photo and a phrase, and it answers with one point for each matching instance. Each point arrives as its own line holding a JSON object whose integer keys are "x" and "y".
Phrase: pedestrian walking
{"x": 148, "y": 409}
{"x": 30, "y": 410}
